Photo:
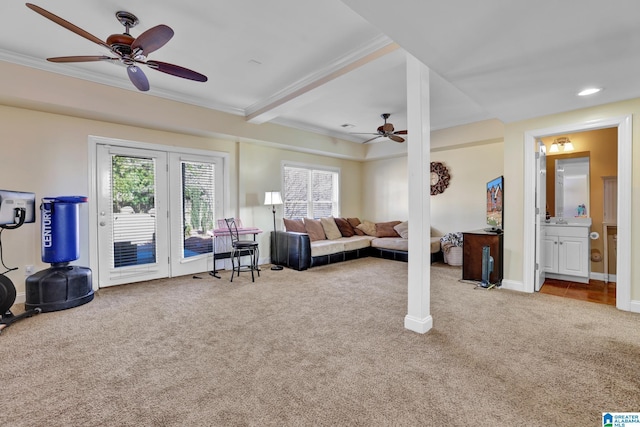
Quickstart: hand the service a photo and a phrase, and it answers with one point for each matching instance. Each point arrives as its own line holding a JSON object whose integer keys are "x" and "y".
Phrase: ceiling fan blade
{"x": 400, "y": 132}
{"x": 66, "y": 24}
{"x": 138, "y": 78}
{"x": 176, "y": 70}
{"x": 80, "y": 58}
{"x": 396, "y": 138}
{"x": 369, "y": 140}
{"x": 152, "y": 39}
{"x": 387, "y": 127}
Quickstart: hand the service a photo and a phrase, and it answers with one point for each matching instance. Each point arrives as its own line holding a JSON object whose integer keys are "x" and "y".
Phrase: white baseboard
{"x": 634, "y": 306}
{"x": 21, "y": 298}
{"x": 264, "y": 260}
{"x": 600, "y": 276}
{"x": 513, "y": 285}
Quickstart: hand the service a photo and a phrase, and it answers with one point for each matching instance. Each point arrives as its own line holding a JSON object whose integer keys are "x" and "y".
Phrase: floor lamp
{"x": 273, "y": 198}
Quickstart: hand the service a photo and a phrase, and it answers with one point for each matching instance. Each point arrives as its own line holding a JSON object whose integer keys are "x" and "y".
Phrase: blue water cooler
{"x": 62, "y": 285}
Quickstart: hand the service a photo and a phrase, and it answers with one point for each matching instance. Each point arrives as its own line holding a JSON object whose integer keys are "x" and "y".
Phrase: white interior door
{"x": 541, "y": 211}
{"x": 132, "y": 215}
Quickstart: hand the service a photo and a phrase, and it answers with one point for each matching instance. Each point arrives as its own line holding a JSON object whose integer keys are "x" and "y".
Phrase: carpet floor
{"x": 322, "y": 347}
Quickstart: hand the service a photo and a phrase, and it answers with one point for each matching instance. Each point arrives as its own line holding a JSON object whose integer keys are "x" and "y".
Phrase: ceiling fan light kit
{"x": 128, "y": 50}
{"x": 385, "y": 131}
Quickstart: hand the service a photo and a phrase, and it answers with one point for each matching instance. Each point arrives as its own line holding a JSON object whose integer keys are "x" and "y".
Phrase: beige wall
{"x": 260, "y": 170}
{"x": 460, "y": 208}
{"x": 513, "y": 168}
{"x": 385, "y": 190}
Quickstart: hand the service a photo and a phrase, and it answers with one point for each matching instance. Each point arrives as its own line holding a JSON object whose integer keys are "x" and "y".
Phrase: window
{"x": 310, "y": 192}
{"x": 198, "y": 206}
{"x": 133, "y": 197}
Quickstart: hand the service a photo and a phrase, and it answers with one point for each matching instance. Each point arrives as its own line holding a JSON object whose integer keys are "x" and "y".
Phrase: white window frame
{"x": 335, "y": 202}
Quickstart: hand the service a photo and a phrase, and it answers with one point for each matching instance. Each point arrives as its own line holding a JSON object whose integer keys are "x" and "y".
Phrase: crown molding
{"x": 108, "y": 80}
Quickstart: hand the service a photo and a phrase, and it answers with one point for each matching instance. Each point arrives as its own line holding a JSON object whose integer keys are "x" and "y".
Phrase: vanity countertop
{"x": 568, "y": 222}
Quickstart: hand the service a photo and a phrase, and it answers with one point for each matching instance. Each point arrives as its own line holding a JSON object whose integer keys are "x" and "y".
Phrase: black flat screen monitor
{"x": 12, "y": 200}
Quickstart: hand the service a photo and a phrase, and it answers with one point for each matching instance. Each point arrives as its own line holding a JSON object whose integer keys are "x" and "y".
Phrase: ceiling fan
{"x": 127, "y": 50}
{"x": 386, "y": 131}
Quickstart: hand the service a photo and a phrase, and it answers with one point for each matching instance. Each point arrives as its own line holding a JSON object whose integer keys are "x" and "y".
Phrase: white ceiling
{"x": 319, "y": 65}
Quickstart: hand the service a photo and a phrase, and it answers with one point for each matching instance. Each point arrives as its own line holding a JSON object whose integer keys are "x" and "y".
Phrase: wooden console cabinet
{"x": 472, "y": 244}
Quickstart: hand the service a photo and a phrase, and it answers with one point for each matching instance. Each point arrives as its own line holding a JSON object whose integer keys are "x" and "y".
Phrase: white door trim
{"x": 625, "y": 168}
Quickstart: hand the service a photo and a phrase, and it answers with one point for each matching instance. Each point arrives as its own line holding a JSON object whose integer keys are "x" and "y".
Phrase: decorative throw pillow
{"x": 296, "y": 225}
{"x": 355, "y": 222}
{"x": 345, "y": 228}
{"x": 314, "y": 229}
{"x": 385, "y": 229}
{"x": 368, "y": 227}
{"x": 403, "y": 229}
{"x": 330, "y": 228}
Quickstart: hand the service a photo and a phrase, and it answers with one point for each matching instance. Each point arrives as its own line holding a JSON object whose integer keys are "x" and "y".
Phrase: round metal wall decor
{"x": 439, "y": 178}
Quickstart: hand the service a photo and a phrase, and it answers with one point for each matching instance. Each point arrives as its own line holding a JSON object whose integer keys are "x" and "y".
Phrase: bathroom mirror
{"x": 572, "y": 187}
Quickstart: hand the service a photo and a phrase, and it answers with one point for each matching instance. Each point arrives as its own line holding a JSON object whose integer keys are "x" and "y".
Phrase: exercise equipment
{"x": 7, "y": 288}
{"x": 60, "y": 286}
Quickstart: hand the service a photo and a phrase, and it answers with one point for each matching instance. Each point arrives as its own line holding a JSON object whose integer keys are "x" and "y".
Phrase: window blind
{"x": 310, "y": 192}
{"x": 198, "y": 207}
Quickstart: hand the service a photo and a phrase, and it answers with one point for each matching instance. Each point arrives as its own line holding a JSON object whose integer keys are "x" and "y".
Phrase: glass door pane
{"x": 198, "y": 207}
{"x": 133, "y": 200}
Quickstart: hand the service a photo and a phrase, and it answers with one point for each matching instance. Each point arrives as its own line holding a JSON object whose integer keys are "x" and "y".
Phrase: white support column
{"x": 418, "y": 318}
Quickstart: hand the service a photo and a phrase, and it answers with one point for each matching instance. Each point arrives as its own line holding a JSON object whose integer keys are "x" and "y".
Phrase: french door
{"x": 155, "y": 213}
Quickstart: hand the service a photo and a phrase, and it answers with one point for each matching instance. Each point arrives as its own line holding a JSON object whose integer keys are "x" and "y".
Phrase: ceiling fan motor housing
{"x": 121, "y": 43}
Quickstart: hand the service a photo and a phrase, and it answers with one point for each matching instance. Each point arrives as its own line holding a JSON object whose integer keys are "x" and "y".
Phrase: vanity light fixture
{"x": 563, "y": 142}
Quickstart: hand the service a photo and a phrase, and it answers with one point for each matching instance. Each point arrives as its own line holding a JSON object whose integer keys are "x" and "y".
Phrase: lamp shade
{"x": 272, "y": 198}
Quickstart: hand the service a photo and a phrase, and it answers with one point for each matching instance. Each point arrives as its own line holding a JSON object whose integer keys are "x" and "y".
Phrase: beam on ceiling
{"x": 294, "y": 95}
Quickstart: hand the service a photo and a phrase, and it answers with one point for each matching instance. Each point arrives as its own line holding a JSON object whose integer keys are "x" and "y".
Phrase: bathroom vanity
{"x": 566, "y": 249}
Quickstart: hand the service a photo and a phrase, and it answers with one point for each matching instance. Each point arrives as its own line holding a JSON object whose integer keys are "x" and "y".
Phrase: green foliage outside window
{"x": 133, "y": 181}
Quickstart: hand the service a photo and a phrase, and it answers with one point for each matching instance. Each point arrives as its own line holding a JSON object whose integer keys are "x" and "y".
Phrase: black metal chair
{"x": 240, "y": 248}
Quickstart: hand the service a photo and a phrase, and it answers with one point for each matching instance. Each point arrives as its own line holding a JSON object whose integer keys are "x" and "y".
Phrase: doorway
{"x": 152, "y": 210}
{"x": 531, "y": 218}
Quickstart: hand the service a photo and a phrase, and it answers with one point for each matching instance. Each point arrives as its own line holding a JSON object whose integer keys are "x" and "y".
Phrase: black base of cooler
{"x": 58, "y": 288}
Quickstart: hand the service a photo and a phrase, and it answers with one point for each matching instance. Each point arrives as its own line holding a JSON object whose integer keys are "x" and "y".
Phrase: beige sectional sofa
{"x": 308, "y": 243}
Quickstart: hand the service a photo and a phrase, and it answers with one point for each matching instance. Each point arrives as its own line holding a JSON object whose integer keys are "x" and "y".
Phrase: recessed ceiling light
{"x": 589, "y": 91}
{"x": 348, "y": 126}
